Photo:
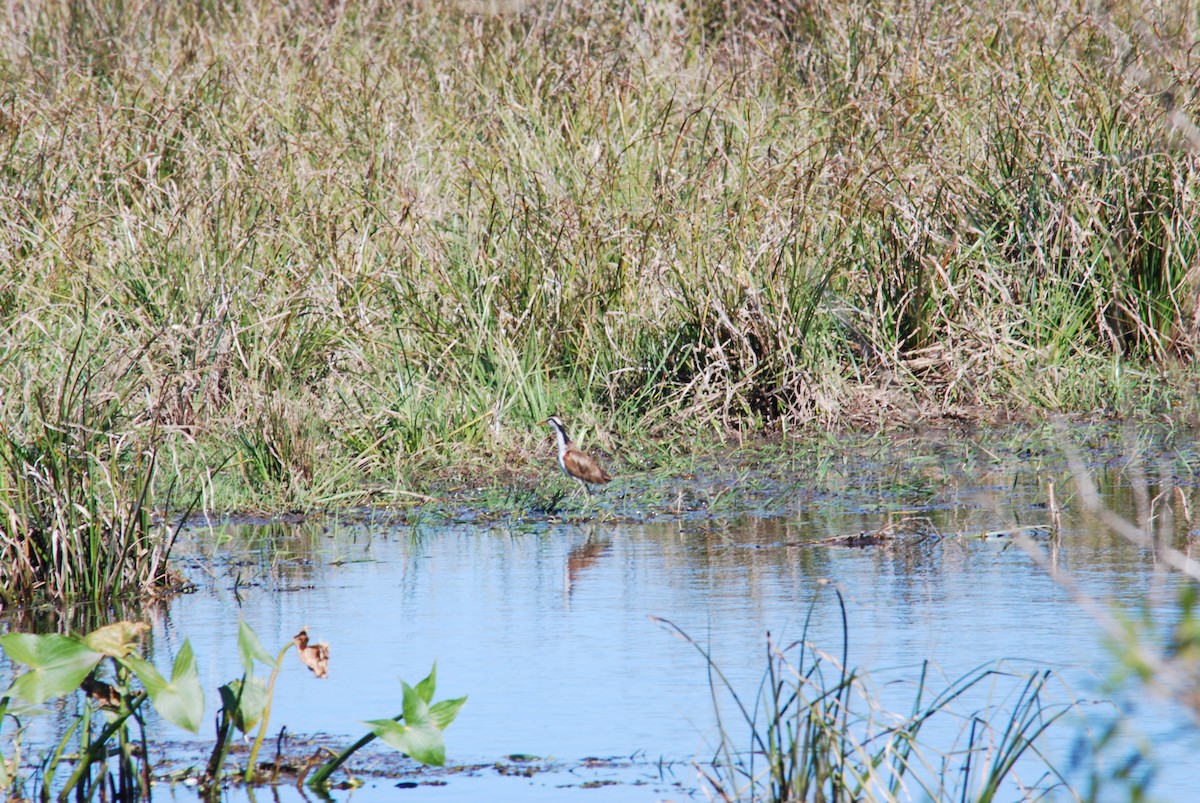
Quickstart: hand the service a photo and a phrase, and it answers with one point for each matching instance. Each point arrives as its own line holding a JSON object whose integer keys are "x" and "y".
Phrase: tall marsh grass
{"x": 353, "y": 241}
{"x": 77, "y": 493}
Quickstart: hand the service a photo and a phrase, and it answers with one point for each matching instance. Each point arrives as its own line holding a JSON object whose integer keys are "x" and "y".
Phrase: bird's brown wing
{"x": 584, "y": 467}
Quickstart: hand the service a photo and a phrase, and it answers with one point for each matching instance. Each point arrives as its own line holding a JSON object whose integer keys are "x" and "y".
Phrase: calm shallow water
{"x": 547, "y": 626}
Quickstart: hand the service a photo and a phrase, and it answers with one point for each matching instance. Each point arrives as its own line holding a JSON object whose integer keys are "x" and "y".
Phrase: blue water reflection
{"x": 548, "y": 627}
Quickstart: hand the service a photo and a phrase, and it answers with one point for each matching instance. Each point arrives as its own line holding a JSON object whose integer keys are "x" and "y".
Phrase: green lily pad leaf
{"x": 250, "y": 648}
{"x": 57, "y": 664}
{"x": 182, "y": 700}
{"x": 443, "y": 712}
{"x": 116, "y": 640}
{"x": 247, "y": 711}
{"x": 422, "y": 742}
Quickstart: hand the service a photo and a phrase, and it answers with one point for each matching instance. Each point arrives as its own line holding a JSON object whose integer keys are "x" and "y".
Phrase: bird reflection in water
{"x": 584, "y": 555}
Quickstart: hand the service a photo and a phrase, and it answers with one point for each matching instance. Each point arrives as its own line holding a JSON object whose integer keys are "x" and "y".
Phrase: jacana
{"x": 574, "y": 463}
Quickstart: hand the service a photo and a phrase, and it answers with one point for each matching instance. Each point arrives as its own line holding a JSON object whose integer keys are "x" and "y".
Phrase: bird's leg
{"x": 586, "y": 489}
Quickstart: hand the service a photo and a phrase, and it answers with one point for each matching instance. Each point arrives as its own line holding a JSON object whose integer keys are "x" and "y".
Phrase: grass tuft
{"x": 818, "y": 731}
{"x": 77, "y": 496}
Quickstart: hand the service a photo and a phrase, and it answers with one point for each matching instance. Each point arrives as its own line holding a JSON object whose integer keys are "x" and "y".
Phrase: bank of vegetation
{"x": 288, "y": 255}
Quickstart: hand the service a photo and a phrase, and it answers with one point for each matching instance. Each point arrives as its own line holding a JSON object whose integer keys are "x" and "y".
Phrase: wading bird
{"x": 575, "y": 463}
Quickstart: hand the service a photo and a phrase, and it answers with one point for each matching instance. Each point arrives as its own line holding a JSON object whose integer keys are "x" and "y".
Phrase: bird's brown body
{"x": 574, "y": 463}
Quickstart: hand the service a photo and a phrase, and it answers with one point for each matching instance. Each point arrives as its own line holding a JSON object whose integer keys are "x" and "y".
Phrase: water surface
{"x": 548, "y": 627}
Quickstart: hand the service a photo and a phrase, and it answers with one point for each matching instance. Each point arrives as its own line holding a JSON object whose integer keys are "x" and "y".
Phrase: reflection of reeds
{"x": 817, "y": 731}
{"x": 83, "y": 617}
{"x": 1166, "y": 663}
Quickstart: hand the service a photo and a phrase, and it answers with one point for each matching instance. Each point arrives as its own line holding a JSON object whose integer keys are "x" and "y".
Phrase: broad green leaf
{"x": 422, "y": 742}
{"x": 147, "y": 673}
{"x": 416, "y": 710}
{"x": 57, "y": 664}
{"x": 249, "y": 710}
{"x": 251, "y": 648}
{"x": 426, "y": 687}
{"x": 443, "y": 712}
{"x": 22, "y": 708}
{"x": 182, "y": 700}
{"x": 116, "y": 640}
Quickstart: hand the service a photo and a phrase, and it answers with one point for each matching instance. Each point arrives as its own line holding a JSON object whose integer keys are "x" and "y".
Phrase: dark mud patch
{"x": 181, "y": 768}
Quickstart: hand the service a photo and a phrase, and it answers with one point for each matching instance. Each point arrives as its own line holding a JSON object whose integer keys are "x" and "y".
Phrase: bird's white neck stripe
{"x": 563, "y": 440}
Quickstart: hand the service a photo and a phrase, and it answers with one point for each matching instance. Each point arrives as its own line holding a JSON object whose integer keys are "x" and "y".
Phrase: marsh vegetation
{"x": 359, "y": 249}
{"x": 300, "y": 256}
{"x": 972, "y": 650}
